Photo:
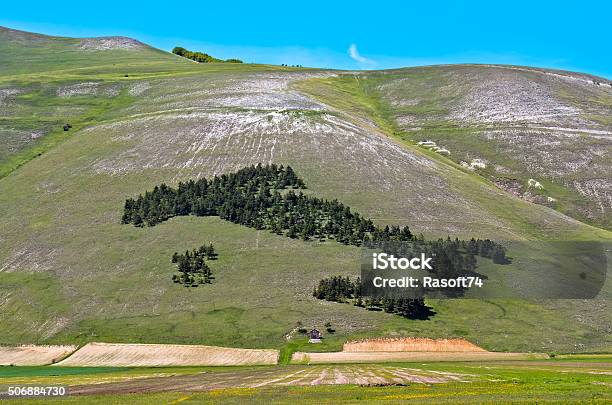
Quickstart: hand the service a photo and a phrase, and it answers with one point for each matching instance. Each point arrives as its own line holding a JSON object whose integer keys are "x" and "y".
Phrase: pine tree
{"x": 210, "y": 252}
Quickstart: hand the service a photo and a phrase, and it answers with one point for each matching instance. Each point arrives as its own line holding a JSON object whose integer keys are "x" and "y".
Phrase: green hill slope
{"x": 26, "y": 53}
{"x": 47, "y": 82}
{"x": 522, "y": 123}
{"x": 69, "y": 271}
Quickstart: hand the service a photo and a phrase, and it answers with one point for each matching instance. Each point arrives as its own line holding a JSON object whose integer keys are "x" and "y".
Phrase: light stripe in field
{"x": 419, "y": 379}
{"x": 319, "y": 380}
{"x": 340, "y": 378}
{"x": 297, "y": 380}
{"x": 277, "y": 379}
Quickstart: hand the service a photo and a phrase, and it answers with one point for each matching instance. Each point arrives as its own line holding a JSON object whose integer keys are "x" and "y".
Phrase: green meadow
{"x": 553, "y": 381}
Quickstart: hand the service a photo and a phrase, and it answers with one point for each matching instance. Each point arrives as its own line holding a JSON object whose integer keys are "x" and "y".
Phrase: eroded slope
{"x": 521, "y": 123}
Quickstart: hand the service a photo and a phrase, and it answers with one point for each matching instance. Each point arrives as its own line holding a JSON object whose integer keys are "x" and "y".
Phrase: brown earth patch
{"x": 411, "y": 345}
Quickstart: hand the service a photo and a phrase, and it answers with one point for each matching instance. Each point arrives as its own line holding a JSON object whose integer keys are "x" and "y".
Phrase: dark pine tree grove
{"x": 343, "y": 289}
{"x": 260, "y": 197}
{"x": 192, "y": 267}
{"x": 270, "y": 197}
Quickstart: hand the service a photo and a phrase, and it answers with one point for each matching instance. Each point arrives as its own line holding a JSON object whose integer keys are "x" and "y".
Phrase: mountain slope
{"x": 47, "y": 82}
{"x": 25, "y": 52}
{"x": 522, "y": 123}
{"x": 69, "y": 271}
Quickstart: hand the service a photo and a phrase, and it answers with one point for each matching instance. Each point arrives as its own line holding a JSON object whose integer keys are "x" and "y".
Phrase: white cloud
{"x": 354, "y": 54}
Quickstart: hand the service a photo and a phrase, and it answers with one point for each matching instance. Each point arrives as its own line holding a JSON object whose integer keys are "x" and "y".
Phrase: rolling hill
{"x": 71, "y": 273}
{"x": 520, "y": 122}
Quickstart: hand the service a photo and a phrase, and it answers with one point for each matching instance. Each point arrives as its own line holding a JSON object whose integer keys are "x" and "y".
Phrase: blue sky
{"x": 347, "y": 35}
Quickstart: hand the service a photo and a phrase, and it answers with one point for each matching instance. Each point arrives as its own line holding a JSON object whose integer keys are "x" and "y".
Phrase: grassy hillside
{"x": 27, "y": 53}
{"x": 70, "y": 272}
{"x": 524, "y": 123}
{"x": 46, "y": 82}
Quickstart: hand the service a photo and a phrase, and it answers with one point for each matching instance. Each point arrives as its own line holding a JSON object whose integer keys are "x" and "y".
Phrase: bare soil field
{"x": 411, "y": 345}
{"x": 361, "y": 357}
{"x": 31, "y": 355}
{"x": 409, "y": 349}
{"x": 155, "y": 355}
{"x": 540, "y": 381}
{"x": 285, "y": 376}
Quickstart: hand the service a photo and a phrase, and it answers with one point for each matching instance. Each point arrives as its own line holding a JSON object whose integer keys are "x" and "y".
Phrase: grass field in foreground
{"x": 553, "y": 381}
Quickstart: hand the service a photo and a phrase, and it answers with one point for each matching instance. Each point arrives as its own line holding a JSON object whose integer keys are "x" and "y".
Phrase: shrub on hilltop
{"x": 200, "y": 57}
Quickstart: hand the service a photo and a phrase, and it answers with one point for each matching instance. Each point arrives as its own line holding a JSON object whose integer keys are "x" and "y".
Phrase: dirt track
{"x": 360, "y": 357}
{"x": 292, "y": 375}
